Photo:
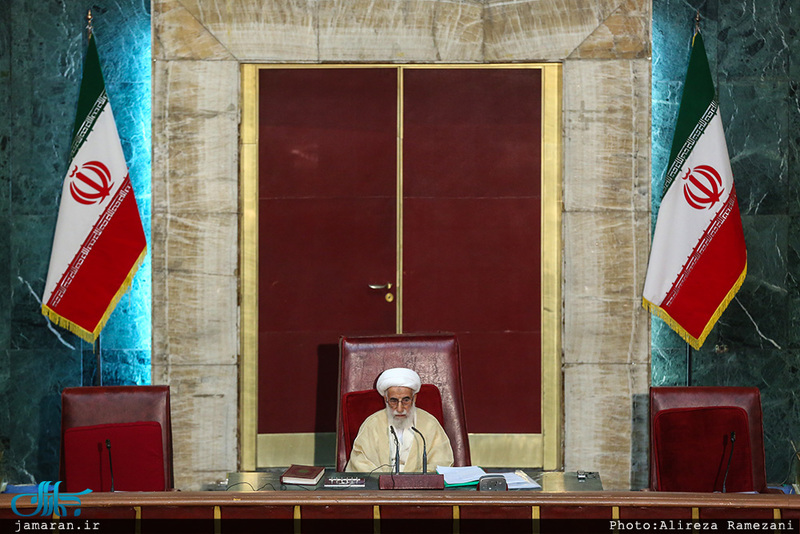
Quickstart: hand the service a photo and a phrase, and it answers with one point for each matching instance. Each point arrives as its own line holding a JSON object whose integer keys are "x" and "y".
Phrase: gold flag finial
{"x": 89, "y": 22}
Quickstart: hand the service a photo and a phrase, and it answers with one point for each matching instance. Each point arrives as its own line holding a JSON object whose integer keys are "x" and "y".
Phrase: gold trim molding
{"x": 248, "y": 270}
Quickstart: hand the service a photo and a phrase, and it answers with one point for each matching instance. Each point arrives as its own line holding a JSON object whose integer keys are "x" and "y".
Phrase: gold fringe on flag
{"x": 696, "y": 343}
{"x": 86, "y": 335}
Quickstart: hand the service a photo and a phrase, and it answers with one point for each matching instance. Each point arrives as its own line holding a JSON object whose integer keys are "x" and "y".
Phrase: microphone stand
{"x": 110, "y": 466}
{"x": 424, "y": 451}
{"x": 396, "y": 451}
{"x": 422, "y": 481}
{"x": 730, "y": 456}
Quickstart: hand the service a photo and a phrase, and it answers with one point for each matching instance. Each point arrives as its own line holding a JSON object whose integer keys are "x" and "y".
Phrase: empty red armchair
{"x": 116, "y": 438}
{"x": 706, "y": 439}
{"x": 437, "y": 360}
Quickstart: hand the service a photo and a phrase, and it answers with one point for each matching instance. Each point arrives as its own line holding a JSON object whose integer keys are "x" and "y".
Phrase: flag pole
{"x": 98, "y": 354}
{"x": 97, "y": 345}
{"x": 688, "y": 364}
{"x": 696, "y": 25}
{"x": 688, "y": 346}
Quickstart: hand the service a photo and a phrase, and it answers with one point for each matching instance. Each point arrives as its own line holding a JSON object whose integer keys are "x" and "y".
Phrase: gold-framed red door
{"x": 400, "y": 199}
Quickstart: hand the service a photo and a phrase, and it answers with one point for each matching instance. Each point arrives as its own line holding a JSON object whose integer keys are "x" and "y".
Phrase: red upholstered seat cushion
{"x": 137, "y": 457}
{"x": 358, "y": 405}
{"x": 692, "y": 447}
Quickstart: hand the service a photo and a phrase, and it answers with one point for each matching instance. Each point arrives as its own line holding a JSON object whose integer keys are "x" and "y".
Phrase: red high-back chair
{"x": 702, "y": 438}
{"x": 124, "y": 430}
{"x": 435, "y": 357}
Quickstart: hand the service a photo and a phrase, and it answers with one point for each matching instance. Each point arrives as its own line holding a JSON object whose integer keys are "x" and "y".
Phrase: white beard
{"x": 401, "y": 423}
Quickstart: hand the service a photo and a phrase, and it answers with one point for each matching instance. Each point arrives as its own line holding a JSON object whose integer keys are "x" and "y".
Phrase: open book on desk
{"x": 469, "y": 475}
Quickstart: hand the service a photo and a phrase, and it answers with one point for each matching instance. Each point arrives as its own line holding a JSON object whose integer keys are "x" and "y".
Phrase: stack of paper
{"x": 463, "y": 476}
{"x": 520, "y": 480}
{"x": 460, "y": 476}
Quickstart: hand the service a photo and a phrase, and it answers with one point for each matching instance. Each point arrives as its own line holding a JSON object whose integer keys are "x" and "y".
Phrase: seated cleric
{"x": 374, "y": 447}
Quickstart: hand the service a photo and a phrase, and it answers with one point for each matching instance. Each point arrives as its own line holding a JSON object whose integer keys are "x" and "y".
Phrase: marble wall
{"x": 754, "y": 55}
{"x": 197, "y": 46}
{"x": 605, "y": 49}
{"x": 42, "y": 46}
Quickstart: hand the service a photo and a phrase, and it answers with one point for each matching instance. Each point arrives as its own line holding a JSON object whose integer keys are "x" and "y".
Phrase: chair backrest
{"x": 435, "y": 357}
{"x": 691, "y": 445}
{"x": 137, "y": 424}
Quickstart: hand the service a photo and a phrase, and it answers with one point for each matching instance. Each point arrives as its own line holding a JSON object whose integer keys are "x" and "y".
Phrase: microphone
{"x": 110, "y": 466}
{"x": 424, "y": 451}
{"x": 725, "y": 478}
{"x": 396, "y": 451}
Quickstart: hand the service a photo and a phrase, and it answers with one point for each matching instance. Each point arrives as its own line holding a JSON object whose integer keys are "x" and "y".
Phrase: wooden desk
{"x": 270, "y": 480}
{"x": 431, "y": 511}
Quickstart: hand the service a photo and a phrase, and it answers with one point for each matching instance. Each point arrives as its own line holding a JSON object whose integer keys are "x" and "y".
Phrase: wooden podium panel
{"x": 385, "y": 511}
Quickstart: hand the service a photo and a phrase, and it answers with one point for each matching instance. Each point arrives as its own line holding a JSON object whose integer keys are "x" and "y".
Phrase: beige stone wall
{"x": 605, "y": 49}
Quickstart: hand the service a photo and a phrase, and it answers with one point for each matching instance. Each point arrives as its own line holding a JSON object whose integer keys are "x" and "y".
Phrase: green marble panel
{"x": 42, "y": 46}
{"x": 5, "y": 287}
{"x": 757, "y": 143}
{"x": 5, "y": 104}
{"x": 126, "y": 367}
{"x": 753, "y": 53}
{"x": 34, "y": 427}
{"x": 31, "y": 237}
{"x": 793, "y": 138}
{"x": 753, "y": 40}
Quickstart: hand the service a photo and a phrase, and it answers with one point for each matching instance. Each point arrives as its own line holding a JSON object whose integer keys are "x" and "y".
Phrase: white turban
{"x": 398, "y": 377}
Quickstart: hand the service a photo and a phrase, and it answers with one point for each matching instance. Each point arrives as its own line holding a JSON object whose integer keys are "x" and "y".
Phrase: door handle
{"x": 381, "y": 286}
{"x": 388, "y": 296}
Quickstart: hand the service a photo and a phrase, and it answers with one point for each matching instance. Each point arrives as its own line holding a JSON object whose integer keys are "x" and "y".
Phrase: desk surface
{"x": 380, "y": 511}
{"x": 551, "y": 481}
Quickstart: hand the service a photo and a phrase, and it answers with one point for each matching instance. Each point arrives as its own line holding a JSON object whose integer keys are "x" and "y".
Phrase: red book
{"x": 302, "y": 474}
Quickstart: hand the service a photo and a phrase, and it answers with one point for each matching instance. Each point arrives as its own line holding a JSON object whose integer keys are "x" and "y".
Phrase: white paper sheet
{"x": 460, "y": 475}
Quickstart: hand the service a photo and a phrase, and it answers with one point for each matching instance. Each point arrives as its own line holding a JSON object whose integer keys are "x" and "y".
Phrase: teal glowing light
{"x": 123, "y": 42}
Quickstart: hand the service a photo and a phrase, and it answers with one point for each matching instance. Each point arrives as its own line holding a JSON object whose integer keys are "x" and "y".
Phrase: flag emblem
{"x": 87, "y": 190}
{"x": 705, "y": 190}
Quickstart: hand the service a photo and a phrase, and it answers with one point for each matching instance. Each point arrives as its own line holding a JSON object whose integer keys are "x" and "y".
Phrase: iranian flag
{"x": 698, "y": 258}
{"x": 99, "y": 242}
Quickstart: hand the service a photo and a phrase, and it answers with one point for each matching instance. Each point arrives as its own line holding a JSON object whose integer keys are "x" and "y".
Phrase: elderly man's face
{"x": 400, "y": 401}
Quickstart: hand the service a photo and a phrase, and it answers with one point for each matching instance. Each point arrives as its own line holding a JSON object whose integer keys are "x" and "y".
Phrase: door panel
{"x": 327, "y": 133}
{"x": 317, "y": 259}
{"x": 471, "y": 133}
{"x": 327, "y": 229}
{"x": 472, "y": 232}
{"x": 463, "y": 264}
{"x": 504, "y": 398}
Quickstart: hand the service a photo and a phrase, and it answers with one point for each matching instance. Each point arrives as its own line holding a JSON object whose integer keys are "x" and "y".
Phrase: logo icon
{"x": 90, "y": 184}
{"x": 702, "y": 187}
{"x": 46, "y": 502}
